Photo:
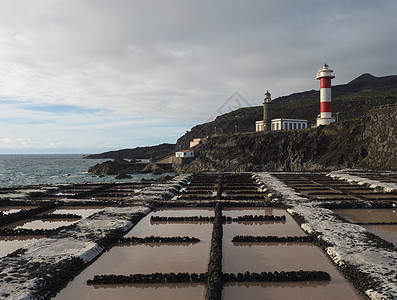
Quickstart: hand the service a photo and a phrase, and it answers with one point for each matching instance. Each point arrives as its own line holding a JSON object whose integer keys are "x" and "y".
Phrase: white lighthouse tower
{"x": 325, "y": 75}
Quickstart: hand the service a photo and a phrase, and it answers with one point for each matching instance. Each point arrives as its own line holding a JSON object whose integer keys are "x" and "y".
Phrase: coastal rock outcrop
{"x": 122, "y": 168}
{"x": 122, "y": 175}
{"x": 109, "y": 167}
{"x": 153, "y": 168}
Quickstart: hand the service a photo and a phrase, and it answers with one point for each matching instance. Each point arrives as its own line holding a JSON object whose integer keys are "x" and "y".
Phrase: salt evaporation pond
{"x": 9, "y": 244}
{"x": 14, "y": 209}
{"x": 258, "y": 228}
{"x": 82, "y": 211}
{"x": 55, "y": 223}
{"x": 368, "y": 215}
{"x": 242, "y": 257}
{"x": 39, "y": 224}
{"x": 194, "y": 258}
{"x": 139, "y": 292}
{"x": 284, "y": 290}
{"x": 200, "y": 230}
{"x": 150, "y": 258}
{"x": 387, "y": 232}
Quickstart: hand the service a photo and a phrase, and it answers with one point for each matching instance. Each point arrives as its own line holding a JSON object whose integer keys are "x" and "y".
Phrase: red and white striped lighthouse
{"x": 325, "y": 75}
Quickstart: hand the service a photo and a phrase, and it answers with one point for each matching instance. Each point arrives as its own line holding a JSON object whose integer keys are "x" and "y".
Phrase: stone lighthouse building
{"x": 267, "y": 102}
{"x": 265, "y": 125}
{"x": 276, "y": 124}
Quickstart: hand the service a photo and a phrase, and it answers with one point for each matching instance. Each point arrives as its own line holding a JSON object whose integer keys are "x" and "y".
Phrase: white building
{"x": 259, "y": 126}
{"x": 283, "y": 124}
{"x": 288, "y": 124}
{"x": 277, "y": 124}
{"x": 184, "y": 153}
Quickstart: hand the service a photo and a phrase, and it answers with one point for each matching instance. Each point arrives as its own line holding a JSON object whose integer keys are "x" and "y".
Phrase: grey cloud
{"x": 180, "y": 60}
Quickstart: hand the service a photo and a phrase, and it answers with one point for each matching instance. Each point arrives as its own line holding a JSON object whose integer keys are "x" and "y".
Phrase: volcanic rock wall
{"x": 380, "y": 129}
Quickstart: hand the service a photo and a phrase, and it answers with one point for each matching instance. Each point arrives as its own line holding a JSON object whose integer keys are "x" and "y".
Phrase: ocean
{"x": 34, "y": 169}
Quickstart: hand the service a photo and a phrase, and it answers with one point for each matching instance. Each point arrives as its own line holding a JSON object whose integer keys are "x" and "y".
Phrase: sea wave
{"x": 36, "y": 169}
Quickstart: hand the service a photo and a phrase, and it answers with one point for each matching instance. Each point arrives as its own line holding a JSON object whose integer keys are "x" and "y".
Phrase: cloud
{"x": 95, "y": 63}
{"x": 6, "y": 140}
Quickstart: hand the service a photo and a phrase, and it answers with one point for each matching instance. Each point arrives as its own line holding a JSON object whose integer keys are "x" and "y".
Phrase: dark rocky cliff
{"x": 369, "y": 142}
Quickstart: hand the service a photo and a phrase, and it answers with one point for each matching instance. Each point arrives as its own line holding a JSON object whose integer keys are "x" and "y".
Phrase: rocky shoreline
{"x": 123, "y": 168}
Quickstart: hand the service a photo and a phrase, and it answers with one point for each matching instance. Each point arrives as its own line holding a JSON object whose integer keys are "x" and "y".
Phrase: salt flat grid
{"x": 307, "y": 195}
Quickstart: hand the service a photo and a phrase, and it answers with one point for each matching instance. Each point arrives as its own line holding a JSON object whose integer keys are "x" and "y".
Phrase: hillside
{"x": 369, "y": 142}
{"x": 156, "y": 152}
{"x": 351, "y": 100}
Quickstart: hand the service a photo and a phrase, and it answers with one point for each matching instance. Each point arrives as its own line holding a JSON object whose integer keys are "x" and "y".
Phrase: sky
{"x": 87, "y": 76}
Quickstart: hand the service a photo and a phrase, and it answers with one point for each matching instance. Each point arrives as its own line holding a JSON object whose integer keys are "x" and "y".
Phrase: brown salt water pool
{"x": 386, "y": 232}
{"x": 39, "y": 224}
{"x": 82, "y": 211}
{"x": 12, "y": 243}
{"x": 140, "y": 292}
{"x": 125, "y": 260}
{"x": 381, "y": 196}
{"x": 201, "y": 230}
{"x": 242, "y": 257}
{"x": 368, "y": 215}
{"x": 241, "y": 211}
{"x": 265, "y": 228}
{"x": 55, "y": 223}
{"x": 287, "y": 291}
